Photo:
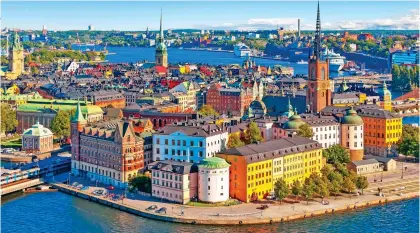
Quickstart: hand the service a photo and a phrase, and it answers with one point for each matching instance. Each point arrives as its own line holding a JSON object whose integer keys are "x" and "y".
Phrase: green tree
{"x": 342, "y": 169}
{"x": 60, "y": 125}
{"x": 324, "y": 190}
{"x": 235, "y": 141}
{"x": 308, "y": 190}
{"x": 280, "y": 189}
{"x": 336, "y": 154}
{"x": 8, "y": 118}
{"x": 335, "y": 188}
{"x": 207, "y": 110}
{"x": 305, "y": 130}
{"x": 348, "y": 186}
{"x": 296, "y": 188}
{"x": 362, "y": 183}
{"x": 411, "y": 131}
{"x": 253, "y": 134}
{"x": 409, "y": 146}
{"x": 141, "y": 183}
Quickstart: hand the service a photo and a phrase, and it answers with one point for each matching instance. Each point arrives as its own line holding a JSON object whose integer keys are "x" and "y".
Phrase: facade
{"x": 386, "y": 98}
{"x": 108, "y": 152}
{"x": 410, "y": 57}
{"x": 382, "y": 130}
{"x": 185, "y": 94}
{"x": 230, "y": 101}
{"x": 256, "y": 167}
{"x": 174, "y": 181}
{"x": 161, "y": 54}
{"x": 188, "y": 142}
{"x": 37, "y": 139}
{"x": 106, "y": 98}
{"x": 319, "y": 91}
{"x": 44, "y": 111}
{"x": 213, "y": 180}
{"x": 326, "y": 129}
{"x": 352, "y": 136}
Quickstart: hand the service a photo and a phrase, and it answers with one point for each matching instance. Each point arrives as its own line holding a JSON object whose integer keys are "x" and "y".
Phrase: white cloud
{"x": 409, "y": 21}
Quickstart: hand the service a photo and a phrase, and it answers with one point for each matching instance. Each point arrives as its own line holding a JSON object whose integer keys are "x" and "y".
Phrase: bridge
{"x": 20, "y": 185}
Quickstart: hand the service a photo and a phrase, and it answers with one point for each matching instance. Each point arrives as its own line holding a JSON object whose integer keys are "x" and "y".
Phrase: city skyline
{"x": 128, "y": 16}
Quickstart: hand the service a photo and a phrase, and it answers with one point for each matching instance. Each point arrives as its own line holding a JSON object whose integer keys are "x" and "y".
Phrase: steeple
{"x": 317, "y": 42}
{"x": 78, "y": 116}
{"x": 16, "y": 43}
{"x": 161, "y": 28}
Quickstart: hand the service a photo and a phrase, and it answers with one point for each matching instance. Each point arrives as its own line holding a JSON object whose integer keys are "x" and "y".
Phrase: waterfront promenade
{"x": 248, "y": 213}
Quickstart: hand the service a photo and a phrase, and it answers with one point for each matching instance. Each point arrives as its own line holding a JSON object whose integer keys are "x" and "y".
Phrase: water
{"x": 59, "y": 212}
{"x": 175, "y": 56}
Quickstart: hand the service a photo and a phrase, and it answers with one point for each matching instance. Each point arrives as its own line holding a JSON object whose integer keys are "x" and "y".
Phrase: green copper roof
{"x": 351, "y": 118}
{"x": 37, "y": 130}
{"x": 78, "y": 116}
{"x": 294, "y": 122}
{"x": 213, "y": 163}
{"x": 39, "y": 105}
{"x": 16, "y": 45}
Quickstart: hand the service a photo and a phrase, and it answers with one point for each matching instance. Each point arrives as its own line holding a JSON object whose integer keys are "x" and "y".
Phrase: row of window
{"x": 184, "y": 142}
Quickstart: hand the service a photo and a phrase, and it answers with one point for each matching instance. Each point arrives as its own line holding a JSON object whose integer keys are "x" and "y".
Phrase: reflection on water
{"x": 58, "y": 212}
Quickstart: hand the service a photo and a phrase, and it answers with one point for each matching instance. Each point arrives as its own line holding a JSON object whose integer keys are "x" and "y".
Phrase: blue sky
{"x": 209, "y": 15}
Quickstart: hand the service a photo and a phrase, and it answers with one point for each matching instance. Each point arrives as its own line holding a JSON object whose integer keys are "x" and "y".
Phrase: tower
{"x": 161, "y": 54}
{"x": 77, "y": 124}
{"x": 386, "y": 103}
{"x": 16, "y": 59}
{"x": 318, "y": 94}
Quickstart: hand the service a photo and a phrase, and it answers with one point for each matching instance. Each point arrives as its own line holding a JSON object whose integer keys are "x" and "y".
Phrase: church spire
{"x": 161, "y": 28}
{"x": 317, "y": 43}
{"x": 78, "y": 116}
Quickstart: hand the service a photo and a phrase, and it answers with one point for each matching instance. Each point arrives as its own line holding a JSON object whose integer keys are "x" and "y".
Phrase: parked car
{"x": 111, "y": 187}
{"x": 161, "y": 210}
{"x": 152, "y": 207}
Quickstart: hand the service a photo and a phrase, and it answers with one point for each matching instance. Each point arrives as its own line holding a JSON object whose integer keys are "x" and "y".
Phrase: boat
{"x": 336, "y": 61}
{"x": 302, "y": 62}
{"x": 241, "y": 50}
{"x": 41, "y": 188}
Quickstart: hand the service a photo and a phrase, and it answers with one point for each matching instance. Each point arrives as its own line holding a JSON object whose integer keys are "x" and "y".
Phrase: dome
{"x": 351, "y": 118}
{"x": 213, "y": 163}
{"x": 294, "y": 122}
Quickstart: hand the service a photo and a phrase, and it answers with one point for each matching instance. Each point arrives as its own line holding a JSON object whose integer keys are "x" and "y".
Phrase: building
{"x": 174, "y": 181}
{"x": 319, "y": 91}
{"x": 44, "y": 111}
{"x": 37, "y": 139}
{"x": 147, "y": 137}
{"x": 91, "y": 28}
{"x": 400, "y": 57}
{"x": 161, "y": 54}
{"x": 107, "y": 151}
{"x": 352, "y": 134}
{"x": 385, "y": 97}
{"x": 185, "y": 94}
{"x": 326, "y": 129}
{"x": 364, "y": 166}
{"x": 16, "y": 59}
{"x": 387, "y": 164}
{"x": 213, "y": 180}
{"x": 108, "y": 98}
{"x": 188, "y": 142}
{"x": 256, "y": 167}
{"x": 230, "y": 101}
{"x": 382, "y": 130}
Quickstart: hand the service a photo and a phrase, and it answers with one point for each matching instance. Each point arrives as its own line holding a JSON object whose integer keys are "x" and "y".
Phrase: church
{"x": 16, "y": 60}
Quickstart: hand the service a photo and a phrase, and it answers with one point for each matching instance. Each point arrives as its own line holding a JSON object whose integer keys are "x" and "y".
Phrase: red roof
{"x": 161, "y": 69}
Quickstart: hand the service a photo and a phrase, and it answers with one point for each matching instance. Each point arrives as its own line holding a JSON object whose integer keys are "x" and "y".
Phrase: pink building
{"x": 174, "y": 181}
{"x": 37, "y": 139}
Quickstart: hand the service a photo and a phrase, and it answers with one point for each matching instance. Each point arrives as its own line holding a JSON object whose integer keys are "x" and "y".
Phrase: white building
{"x": 213, "y": 180}
{"x": 253, "y": 35}
{"x": 37, "y": 139}
{"x": 326, "y": 129}
{"x": 188, "y": 142}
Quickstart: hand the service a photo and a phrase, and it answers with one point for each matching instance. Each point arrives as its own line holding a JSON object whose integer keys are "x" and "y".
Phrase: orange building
{"x": 382, "y": 130}
{"x": 107, "y": 98}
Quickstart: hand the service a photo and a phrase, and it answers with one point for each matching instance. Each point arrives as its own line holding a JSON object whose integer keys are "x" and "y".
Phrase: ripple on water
{"x": 58, "y": 212}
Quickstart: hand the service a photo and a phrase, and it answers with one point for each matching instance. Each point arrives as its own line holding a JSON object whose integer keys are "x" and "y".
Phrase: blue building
{"x": 410, "y": 57}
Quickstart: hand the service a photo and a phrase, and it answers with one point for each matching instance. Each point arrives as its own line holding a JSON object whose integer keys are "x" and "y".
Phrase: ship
{"x": 242, "y": 50}
{"x": 336, "y": 61}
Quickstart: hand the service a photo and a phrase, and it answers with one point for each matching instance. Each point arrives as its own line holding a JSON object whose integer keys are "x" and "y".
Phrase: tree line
{"x": 404, "y": 78}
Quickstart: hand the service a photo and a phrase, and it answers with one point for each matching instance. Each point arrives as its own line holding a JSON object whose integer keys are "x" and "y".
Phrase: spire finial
{"x": 161, "y": 28}
{"x": 318, "y": 34}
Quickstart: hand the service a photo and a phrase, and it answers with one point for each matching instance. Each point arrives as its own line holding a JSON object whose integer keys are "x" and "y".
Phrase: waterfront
{"x": 58, "y": 212}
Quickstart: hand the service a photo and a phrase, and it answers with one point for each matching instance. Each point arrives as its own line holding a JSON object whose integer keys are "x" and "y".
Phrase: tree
{"x": 335, "y": 188}
{"x": 362, "y": 182}
{"x": 142, "y": 183}
{"x": 235, "y": 141}
{"x": 60, "y": 125}
{"x": 305, "y": 130}
{"x": 280, "y": 189}
{"x": 296, "y": 188}
{"x": 342, "y": 169}
{"x": 323, "y": 190}
{"x": 409, "y": 146}
{"x": 348, "y": 186}
{"x": 8, "y": 118}
{"x": 308, "y": 190}
{"x": 253, "y": 134}
{"x": 207, "y": 110}
{"x": 336, "y": 154}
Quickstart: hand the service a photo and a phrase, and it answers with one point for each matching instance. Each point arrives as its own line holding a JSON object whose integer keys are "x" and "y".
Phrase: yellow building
{"x": 185, "y": 95}
{"x": 19, "y": 99}
{"x": 16, "y": 59}
{"x": 386, "y": 98}
{"x": 382, "y": 130}
{"x": 256, "y": 167}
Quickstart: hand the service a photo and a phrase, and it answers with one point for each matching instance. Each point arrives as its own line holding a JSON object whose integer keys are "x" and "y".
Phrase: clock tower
{"x": 318, "y": 94}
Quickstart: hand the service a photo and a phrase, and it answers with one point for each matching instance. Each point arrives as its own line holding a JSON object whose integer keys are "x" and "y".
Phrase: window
{"x": 157, "y": 150}
{"x": 166, "y": 141}
{"x": 209, "y": 187}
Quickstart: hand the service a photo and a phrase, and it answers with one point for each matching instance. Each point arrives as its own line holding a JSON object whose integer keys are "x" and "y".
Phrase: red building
{"x": 365, "y": 36}
{"x": 231, "y": 101}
